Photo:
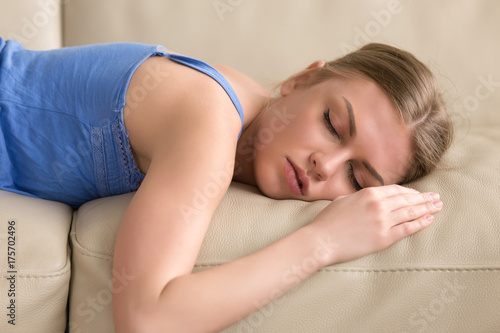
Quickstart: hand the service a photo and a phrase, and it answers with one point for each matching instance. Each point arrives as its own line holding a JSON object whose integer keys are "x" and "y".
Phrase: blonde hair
{"x": 411, "y": 86}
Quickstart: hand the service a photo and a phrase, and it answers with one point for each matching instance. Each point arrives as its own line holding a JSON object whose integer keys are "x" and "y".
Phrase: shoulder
{"x": 167, "y": 102}
{"x": 241, "y": 80}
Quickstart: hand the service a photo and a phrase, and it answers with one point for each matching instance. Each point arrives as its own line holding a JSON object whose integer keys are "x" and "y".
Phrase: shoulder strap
{"x": 213, "y": 73}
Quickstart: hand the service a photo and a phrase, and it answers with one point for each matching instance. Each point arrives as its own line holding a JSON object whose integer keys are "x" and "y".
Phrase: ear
{"x": 299, "y": 78}
{"x": 316, "y": 64}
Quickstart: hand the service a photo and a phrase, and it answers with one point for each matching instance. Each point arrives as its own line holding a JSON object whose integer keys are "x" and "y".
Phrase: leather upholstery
{"x": 443, "y": 279}
{"x": 41, "y": 259}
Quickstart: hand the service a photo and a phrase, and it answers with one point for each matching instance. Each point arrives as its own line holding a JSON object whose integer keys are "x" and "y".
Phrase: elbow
{"x": 129, "y": 316}
{"x": 143, "y": 315}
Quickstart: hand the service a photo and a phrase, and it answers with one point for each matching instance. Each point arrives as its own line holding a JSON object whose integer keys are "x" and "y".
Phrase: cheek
{"x": 267, "y": 176}
{"x": 299, "y": 131}
{"x": 274, "y": 138}
{"x": 334, "y": 188}
{"x": 277, "y": 128}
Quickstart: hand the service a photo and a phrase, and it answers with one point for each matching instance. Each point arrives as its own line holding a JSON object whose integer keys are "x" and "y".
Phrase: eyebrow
{"x": 350, "y": 113}
{"x": 352, "y": 133}
{"x": 375, "y": 174}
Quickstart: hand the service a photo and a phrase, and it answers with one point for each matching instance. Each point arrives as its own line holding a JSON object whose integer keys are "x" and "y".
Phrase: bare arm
{"x": 216, "y": 298}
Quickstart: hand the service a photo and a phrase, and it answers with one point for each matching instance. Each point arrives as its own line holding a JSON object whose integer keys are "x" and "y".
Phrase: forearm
{"x": 216, "y": 298}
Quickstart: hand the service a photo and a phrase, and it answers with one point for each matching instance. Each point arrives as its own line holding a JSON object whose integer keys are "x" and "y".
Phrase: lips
{"x": 296, "y": 179}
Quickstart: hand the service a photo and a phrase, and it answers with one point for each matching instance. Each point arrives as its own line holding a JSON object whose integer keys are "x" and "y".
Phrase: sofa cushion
{"x": 92, "y": 239}
{"x": 34, "y": 262}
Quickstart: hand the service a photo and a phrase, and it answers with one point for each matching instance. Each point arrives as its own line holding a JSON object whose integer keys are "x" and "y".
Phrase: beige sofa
{"x": 443, "y": 279}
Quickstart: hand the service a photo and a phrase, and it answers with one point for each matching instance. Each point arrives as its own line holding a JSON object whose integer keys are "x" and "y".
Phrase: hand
{"x": 374, "y": 218}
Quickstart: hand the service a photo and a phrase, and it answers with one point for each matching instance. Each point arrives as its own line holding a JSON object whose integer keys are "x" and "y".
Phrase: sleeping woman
{"x": 86, "y": 122}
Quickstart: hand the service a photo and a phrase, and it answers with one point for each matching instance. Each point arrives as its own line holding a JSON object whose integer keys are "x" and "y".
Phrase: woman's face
{"x": 328, "y": 140}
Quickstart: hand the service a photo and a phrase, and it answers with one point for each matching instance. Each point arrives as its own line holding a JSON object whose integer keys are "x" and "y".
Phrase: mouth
{"x": 296, "y": 179}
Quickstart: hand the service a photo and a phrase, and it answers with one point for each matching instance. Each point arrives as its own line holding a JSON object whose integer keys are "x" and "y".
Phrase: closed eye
{"x": 352, "y": 178}
{"x": 329, "y": 126}
{"x": 350, "y": 170}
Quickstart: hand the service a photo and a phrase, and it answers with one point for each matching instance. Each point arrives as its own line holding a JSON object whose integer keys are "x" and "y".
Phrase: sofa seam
{"x": 94, "y": 256}
{"x": 455, "y": 270}
{"x": 77, "y": 247}
{"x": 32, "y": 276}
{"x": 62, "y": 272}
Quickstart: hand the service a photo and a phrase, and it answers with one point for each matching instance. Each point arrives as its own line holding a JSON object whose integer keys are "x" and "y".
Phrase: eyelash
{"x": 354, "y": 182}
{"x": 329, "y": 125}
{"x": 350, "y": 172}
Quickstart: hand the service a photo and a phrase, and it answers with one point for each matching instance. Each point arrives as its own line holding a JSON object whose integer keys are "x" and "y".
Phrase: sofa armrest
{"x": 35, "y": 264}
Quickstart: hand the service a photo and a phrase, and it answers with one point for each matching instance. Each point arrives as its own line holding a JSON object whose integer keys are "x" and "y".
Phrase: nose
{"x": 326, "y": 164}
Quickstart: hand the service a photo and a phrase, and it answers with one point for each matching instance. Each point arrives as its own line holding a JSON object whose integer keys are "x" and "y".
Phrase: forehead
{"x": 381, "y": 137}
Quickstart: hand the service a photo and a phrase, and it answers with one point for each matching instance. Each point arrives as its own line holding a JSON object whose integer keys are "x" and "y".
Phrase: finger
{"x": 410, "y": 213}
{"x": 410, "y": 199}
{"x": 389, "y": 190}
{"x": 402, "y": 230}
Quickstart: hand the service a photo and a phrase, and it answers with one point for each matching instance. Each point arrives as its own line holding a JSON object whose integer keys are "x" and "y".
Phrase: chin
{"x": 269, "y": 189}
{"x": 265, "y": 191}
{"x": 268, "y": 179}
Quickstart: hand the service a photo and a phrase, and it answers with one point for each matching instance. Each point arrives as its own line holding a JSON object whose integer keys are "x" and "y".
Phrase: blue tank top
{"x": 62, "y": 135}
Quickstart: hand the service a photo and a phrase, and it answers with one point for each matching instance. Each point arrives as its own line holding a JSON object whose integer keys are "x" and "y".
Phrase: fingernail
{"x": 429, "y": 218}
{"x": 438, "y": 204}
{"x": 435, "y": 196}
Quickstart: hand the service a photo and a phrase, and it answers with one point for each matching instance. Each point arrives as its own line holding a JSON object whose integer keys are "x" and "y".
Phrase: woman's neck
{"x": 254, "y": 100}
{"x": 243, "y": 166}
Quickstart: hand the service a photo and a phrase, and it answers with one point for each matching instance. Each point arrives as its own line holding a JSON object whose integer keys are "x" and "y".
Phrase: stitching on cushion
{"x": 412, "y": 270}
{"x": 81, "y": 250}
{"x": 326, "y": 270}
{"x": 31, "y": 276}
